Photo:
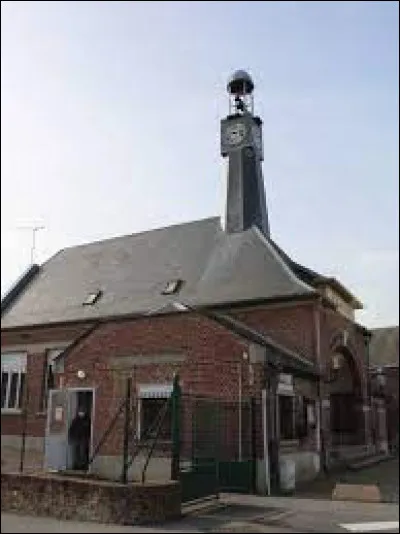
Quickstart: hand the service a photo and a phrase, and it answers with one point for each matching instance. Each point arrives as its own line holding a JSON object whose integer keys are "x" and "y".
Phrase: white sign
{"x": 285, "y": 384}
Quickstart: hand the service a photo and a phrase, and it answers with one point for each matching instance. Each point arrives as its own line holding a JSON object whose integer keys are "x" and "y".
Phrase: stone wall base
{"x": 32, "y": 443}
{"x": 304, "y": 464}
{"x": 11, "y": 454}
{"x": 64, "y": 497}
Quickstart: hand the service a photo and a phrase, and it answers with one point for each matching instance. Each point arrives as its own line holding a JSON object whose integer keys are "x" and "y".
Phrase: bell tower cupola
{"x": 241, "y": 143}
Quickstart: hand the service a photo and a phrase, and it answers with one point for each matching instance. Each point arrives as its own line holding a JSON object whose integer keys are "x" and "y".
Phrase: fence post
{"x": 126, "y": 430}
{"x": 275, "y": 431}
{"x": 175, "y": 430}
{"x": 253, "y": 437}
{"x": 24, "y": 428}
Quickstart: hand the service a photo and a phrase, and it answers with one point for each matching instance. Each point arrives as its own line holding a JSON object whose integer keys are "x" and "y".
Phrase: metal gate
{"x": 217, "y": 449}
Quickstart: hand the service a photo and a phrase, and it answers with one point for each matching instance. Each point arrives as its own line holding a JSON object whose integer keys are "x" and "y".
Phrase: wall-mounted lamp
{"x": 81, "y": 374}
{"x": 335, "y": 366}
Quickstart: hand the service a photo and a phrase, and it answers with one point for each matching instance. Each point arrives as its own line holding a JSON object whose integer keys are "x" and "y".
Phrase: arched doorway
{"x": 345, "y": 399}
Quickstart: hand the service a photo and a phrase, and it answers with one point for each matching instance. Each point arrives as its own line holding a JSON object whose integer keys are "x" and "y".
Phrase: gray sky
{"x": 110, "y": 121}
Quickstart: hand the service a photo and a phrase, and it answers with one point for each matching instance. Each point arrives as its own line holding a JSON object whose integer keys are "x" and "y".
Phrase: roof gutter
{"x": 301, "y": 297}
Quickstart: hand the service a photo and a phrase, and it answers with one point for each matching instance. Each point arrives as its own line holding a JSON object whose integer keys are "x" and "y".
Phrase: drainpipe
{"x": 266, "y": 437}
{"x": 367, "y": 340}
{"x": 271, "y": 385}
{"x": 317, "y": 325}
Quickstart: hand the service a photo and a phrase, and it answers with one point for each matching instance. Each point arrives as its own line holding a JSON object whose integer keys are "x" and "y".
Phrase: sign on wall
{"x": 285, "y": 384}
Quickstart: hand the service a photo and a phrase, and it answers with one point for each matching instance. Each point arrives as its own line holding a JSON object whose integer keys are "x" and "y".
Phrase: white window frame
{"x": 11, "y": 363}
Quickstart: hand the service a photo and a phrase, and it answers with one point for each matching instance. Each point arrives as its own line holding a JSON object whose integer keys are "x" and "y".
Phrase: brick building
{"x": 216, "y": 301}
{"x": 384, "y": 377}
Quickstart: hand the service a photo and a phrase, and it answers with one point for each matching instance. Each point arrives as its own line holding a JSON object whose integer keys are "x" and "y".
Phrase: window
{"x": 155, "y": 408}
{"x": 92, "y": 298}
{"x": 172, "y": 287}
{"x": 52, "y": 366}
{"x": 303, "y": 415}
{"x": 13, "y": 372}
{"x": 287, "y": 417}
{"x": 295, "y": 416}
{"x": 151, "y": 412}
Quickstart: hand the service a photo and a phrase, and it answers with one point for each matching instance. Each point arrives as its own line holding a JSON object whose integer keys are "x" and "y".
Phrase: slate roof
{"x": 384, "y": 346}
{"x": 131, "y": 272}
{"x": 316, "y": 279}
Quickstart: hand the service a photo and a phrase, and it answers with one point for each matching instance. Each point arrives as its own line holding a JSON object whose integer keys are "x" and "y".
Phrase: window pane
{"x": 301, "y": 426}
{"x": 21, "y": 399}
{"x": 286, "y": 418}
{"x": 151, "y": 410}
{"x": 12, "y": 398}
{"x": 4, "y": 382}
{"x": 50, "y": 378}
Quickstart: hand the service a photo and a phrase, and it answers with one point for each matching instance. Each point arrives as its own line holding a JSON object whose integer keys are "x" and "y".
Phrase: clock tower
{"x": 241, "y": 143}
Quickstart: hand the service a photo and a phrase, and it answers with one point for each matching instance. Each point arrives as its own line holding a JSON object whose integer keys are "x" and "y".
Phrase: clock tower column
{"x": 241, "y": 143}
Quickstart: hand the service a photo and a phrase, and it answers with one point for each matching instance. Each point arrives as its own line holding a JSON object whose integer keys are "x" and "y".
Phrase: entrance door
{"x": 79, "y": 400}
{"x": 56, "y": 430}
{"x": 63, "y": 405}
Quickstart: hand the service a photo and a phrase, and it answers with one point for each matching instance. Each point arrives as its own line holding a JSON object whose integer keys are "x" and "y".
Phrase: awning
{"x": 155, "y": 391}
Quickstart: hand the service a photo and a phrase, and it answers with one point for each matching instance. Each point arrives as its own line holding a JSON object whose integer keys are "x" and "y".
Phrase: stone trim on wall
{"x": 128, "y": 362}
{"x": 36, "y": 348}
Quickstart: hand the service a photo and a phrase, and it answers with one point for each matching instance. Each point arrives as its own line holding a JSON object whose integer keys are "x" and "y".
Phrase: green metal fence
{"x": 217, "y": 446}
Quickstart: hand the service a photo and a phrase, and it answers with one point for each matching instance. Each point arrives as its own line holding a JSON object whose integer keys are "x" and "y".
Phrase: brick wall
{"x": 291, "y": 325}
{"x": 332, "y": 324}
{"x": 212, "y": 356}
{"x": 41, "y": 334}
{"x": 34, "y": 339}
{"x": 210, "y": 367}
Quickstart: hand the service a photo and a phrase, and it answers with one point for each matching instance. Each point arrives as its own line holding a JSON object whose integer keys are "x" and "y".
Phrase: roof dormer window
{"x": 172, "y": 287}
{"x": 92, "y": 298}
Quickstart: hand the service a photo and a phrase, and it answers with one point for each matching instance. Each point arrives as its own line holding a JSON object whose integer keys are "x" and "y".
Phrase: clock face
{"x": 235, "y": 134}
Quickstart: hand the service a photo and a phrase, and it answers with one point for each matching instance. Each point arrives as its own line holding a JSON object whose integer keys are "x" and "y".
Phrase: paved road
{"x": 384, "y": 474}
{"x": 316, "y": 515}
{"x": 249, "y": 513}
{"x": 242, "y": 513}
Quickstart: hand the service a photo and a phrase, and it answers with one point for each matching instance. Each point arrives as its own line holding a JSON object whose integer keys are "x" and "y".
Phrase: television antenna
{"x": 32, "y": 229}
